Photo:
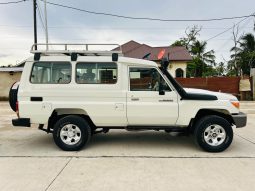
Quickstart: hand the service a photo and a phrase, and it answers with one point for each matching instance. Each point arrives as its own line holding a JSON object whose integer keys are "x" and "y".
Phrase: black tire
{"x": 13, "y": 95}
{"x": 74, "y": 121}
{"x": 201, "y": 130}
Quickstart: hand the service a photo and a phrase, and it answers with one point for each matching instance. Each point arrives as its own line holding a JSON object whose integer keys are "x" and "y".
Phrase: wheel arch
{"x": 59, "y": 113}
{"x": 205, "y": 112}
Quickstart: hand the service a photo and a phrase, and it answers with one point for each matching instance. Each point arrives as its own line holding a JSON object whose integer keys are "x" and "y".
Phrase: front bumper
{"x": 240, "y": 119}
{"x": 24, "y": 122}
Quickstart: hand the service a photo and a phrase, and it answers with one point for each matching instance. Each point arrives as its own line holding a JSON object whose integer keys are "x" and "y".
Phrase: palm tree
{"x": 244, "y": 55}
{"x": 247, "y": 45}
{"x": 201, "y": 57}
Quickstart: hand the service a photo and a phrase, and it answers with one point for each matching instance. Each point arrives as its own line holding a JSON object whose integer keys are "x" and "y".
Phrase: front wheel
{"x": 71, "y": 133}
{"x": 213, "y": 133}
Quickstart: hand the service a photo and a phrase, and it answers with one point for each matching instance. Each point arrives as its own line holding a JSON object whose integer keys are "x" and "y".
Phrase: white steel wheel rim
{"x": 214, "y": 135}
{"x": 70, "y": 134}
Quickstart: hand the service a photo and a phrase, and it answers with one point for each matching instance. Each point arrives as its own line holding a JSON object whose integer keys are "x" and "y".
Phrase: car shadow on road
{"x": 114, "y": 143}
{"x": 143, "y": 140}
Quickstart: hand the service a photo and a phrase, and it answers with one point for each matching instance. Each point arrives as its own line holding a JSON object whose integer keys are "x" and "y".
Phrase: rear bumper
{"x": 23, "y": 122}
{"x": 240, "y": 119}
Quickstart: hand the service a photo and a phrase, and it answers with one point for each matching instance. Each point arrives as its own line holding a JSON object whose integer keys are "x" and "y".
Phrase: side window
{"x": 51, "y": 73}
{"x": 96, "y": 73}
{"x": 146, "y": 79}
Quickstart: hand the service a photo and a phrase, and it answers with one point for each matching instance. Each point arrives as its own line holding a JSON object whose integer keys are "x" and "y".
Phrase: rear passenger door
{"x": 100, "y": 93}
{"x": 145, "y": 105}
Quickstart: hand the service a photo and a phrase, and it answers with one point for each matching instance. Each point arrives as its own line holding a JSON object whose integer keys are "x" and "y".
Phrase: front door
{"x": 147, "y": 103}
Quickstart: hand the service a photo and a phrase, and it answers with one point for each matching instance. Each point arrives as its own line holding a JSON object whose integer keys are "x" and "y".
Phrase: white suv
{"x": 77, "y": 93}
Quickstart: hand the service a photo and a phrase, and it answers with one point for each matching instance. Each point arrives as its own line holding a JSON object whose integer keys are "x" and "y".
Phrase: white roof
{"x": 11, "y": 69}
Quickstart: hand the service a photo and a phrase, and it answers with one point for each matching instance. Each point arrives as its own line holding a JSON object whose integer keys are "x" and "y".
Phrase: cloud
{"x": 3, "y": 55}
{"x": 68, "y": 26}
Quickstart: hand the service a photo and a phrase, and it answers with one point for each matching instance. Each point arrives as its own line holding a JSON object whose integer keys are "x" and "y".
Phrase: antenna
{"x": 35, "y": 25}
{"x": 46, "y": 24}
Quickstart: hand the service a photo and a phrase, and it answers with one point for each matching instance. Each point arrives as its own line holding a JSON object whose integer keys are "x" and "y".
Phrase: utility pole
{"x": 35, "y": 25}
{"x": 46, "y": 25}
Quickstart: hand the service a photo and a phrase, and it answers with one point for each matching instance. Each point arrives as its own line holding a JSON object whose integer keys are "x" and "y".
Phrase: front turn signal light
{"x": 236, "y": 104}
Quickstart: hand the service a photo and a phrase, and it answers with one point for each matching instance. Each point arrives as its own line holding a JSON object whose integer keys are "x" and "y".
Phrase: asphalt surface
{"x": 121, "y": 160}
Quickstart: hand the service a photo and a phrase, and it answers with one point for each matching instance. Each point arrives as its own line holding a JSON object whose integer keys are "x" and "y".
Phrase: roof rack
{"x": 82, "y": 49}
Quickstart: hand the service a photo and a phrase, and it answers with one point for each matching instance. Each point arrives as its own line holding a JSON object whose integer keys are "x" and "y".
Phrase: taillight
{"x": 17, "y": 108}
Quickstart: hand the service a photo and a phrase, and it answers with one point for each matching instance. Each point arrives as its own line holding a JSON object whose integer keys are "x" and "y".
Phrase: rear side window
{"x": 96, "y": 73}
{"x": 51, "y": 73}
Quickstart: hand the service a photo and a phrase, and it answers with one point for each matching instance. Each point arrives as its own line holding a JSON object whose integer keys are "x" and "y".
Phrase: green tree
{"x": 243, "y": 58}
{"x": 191, "y": 37}
{"x": 203, "y": 59}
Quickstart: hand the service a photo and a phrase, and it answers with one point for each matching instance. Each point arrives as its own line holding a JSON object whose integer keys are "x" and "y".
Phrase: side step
{"x": 185, "y": 131}
{"x": 157, "y": 128}
{"x": 46, "y": 130}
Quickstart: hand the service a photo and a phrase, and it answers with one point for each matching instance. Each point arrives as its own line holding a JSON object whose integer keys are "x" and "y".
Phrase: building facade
{"x": 8, "y": 76}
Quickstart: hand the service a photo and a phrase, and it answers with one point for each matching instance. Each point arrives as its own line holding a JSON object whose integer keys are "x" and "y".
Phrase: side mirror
{"x": 161, "y": 92}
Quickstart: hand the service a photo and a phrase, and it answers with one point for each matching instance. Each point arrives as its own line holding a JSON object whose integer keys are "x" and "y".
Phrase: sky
{"x": 70, "y": 26}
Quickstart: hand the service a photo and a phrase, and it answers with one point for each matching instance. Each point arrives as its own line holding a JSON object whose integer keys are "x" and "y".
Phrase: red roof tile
{"x": 136, "y": 50}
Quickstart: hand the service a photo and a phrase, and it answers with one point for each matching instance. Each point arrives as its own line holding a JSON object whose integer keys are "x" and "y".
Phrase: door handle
{"x": 165, "y": 100}
{"x": 36, "y": 99}
{"x": 135, "y": 99}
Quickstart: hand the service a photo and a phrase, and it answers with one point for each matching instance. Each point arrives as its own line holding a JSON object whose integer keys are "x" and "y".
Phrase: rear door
{"x": 145, "y": 105}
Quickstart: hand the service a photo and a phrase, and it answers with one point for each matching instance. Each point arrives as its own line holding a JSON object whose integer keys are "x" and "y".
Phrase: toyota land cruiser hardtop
{"x": 75, "y": 93}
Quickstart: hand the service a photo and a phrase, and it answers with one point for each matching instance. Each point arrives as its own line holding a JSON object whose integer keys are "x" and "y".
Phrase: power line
{"x": 147, "y": 18}
{"x": 13, "y": 2}
{"x": 228, "y": 29}
{"x": 109, "y": 28}
{"x": 40, "y": 16}
{"x": 74, "y": 27}
{"x": 230, "y": 39}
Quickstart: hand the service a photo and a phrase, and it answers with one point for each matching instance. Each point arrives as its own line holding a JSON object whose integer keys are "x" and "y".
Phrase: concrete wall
{"x": 6, "y": 81}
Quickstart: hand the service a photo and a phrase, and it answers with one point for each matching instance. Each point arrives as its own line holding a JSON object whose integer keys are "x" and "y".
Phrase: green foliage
{"x": 179, "y": 43}
{"x": 220, "y": 69}
{"x": 243, "y": 57}
{"x": 202, "y": 61}
{"x": 191, "y": 36}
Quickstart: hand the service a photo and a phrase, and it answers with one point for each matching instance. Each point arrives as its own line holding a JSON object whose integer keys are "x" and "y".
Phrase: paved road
{"x": 120, "y": 160}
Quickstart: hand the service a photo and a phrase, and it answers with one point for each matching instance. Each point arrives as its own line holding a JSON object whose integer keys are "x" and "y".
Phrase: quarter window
{"x": 51, "y": 73}
{"x": 96, "y": 73}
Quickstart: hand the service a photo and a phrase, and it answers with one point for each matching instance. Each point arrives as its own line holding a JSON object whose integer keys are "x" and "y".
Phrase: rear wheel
{"x": 71, "y": 133}
{"x": 213, "y": 133}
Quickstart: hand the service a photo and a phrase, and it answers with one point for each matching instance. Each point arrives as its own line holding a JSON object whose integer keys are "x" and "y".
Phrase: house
{"x": 178, "y": 55}
{"x": 8, "y": 76}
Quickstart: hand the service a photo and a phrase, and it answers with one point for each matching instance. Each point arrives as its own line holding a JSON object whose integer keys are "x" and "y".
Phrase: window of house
{"x": 96, "y": 73}
{"x": 146, "y": 79}
{"x": 51, "y": 73}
